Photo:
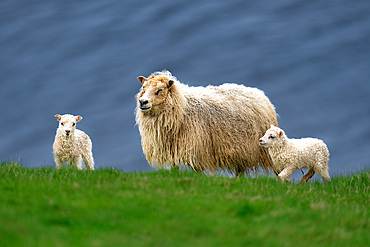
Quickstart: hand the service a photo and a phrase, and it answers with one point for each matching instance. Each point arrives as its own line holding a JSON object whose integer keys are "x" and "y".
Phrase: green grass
{"x": 45, "y": 207}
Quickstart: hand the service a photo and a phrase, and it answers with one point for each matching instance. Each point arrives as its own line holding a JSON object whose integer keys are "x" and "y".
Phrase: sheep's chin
{"x": 145, "y": 109}
{"x": 265, "y": 144}
{"x": 67, "y": 136}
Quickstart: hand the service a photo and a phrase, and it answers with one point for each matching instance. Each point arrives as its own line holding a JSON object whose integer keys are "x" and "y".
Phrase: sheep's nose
{"x": 67, "y": 132}
{"x": 143, "y": 102}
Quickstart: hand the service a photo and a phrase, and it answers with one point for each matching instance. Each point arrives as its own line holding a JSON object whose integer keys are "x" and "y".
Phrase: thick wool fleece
{"x": 206, "y": 128}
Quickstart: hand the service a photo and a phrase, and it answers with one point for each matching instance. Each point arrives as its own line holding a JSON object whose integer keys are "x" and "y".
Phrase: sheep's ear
{"x": 58, "y": 117}
{"x": 272, "y": 126}
{"x": 142, "y": 79}
{"x": 281, "y": 133}
{"x": 78, "y": 118}
{"x": 170, "y": 83}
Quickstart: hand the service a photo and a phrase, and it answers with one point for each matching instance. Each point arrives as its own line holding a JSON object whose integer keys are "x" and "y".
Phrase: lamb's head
{"x": 274, "y": 136}
{"x": 67, "y": 124}
{"x": 155, "y": 94}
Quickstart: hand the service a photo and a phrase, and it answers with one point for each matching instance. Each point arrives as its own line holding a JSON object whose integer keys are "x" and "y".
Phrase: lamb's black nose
{"x": 143, "y": 102}
{"x": 67, "y": 132}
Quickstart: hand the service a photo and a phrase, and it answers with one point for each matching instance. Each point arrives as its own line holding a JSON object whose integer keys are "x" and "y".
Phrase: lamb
{"x": 291, "y": 154}
{"x": 206, "y": 128}
{"x": 72, "y": 145}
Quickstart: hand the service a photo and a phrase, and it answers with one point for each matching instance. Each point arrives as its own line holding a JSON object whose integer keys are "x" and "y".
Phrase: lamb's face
{"x": 154, "y": 94}
{"x": 272, "y": 137}
{"x": 67, "y": 124}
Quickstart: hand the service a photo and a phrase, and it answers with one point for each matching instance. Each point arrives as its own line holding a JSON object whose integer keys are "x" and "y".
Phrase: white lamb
{"x": 290, "y": 154}
{"x": 72, "y": 145}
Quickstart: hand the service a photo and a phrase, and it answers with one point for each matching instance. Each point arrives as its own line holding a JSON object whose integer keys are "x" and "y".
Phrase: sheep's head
{"x": 155, "y": 93}
{"x": 274, "y": 136}
{"x": 67, "y": 124}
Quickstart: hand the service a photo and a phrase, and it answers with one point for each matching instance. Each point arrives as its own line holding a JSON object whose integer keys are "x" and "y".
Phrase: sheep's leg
{"x": 58, "y": 162}
{"x": 308, "y": 175}
{"x": 323, "y": 172}
{"x": 285, "y": 174}
{"x": 239, "y": 171}
{"x": 89, "y": 161}
{"x": 77, "y": 163}
{"x": 321, "y": 166}
{"x": 174, "y": 167}
{"x": 198, "y": 169}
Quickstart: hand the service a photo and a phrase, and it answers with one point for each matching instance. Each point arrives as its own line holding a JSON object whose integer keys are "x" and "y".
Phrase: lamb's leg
{"x": 76, "y": 163}
{"x": 58, "y": 162}
{"x": 321, "y": 166}
{"x": 323, "y": 172}
{"x": 79, "y": 163}
{"x": 285, "y": 174}
{"x": 308, "y": 175}
{"x": 89, "y": 161}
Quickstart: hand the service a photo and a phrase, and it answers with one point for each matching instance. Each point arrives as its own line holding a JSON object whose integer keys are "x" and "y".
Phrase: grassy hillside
{"x": 45, "y": 207}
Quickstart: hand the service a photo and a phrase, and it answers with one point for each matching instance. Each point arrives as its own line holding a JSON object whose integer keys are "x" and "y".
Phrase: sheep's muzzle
{"x": 144, "y": 105}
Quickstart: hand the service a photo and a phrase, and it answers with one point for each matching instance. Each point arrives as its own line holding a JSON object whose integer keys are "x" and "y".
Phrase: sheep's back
{"x": 309, "y": 151}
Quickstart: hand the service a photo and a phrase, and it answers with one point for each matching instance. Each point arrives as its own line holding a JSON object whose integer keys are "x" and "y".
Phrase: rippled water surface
{"x": 311, "y": 58}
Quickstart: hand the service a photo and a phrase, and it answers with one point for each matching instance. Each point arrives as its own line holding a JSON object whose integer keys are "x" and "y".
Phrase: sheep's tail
{"x": 308, "y": 175}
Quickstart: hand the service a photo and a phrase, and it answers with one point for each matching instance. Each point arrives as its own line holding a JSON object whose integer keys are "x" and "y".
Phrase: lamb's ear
{"x": 58, "y": 117}
{"x": 170, "y": 83}
{"x": 142, "y": 79}
{"x": 281, "y": 133}
{"x": 272, "y": 126}
{"x": 78, "y": 118}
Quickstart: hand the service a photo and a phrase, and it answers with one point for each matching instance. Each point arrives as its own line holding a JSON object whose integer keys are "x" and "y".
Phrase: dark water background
{"x": 312, "y": 59}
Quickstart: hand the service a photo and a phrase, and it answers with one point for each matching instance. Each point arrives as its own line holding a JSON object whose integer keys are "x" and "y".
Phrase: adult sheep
{"x": 203, "y": 127}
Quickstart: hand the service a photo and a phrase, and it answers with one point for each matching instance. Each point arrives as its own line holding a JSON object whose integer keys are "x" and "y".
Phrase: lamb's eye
{"x": 62, "y": 124}
{"x": 159, "y": 91}
{"x": 73, "y": 124}
{"x": 271, "y": 137}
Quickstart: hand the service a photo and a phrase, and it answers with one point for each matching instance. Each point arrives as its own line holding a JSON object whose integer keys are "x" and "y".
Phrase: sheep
{"x": 72, "y": 145}
{"x": 206, "y": 128}
{"x": 291, "y": 154}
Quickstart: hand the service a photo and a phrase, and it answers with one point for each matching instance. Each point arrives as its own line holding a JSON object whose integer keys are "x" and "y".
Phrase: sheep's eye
{"x": 159, "y": 91}
{"x": 73, "y": 124}
{"x": 62, "y": 124}
{"x": 271, "y": 137}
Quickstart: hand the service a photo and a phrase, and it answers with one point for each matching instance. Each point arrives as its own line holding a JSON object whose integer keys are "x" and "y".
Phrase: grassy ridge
{"x": 45, "y": 207}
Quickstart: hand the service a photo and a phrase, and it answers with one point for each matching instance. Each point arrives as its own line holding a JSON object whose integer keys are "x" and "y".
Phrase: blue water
{"x": 312, "y": 59}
